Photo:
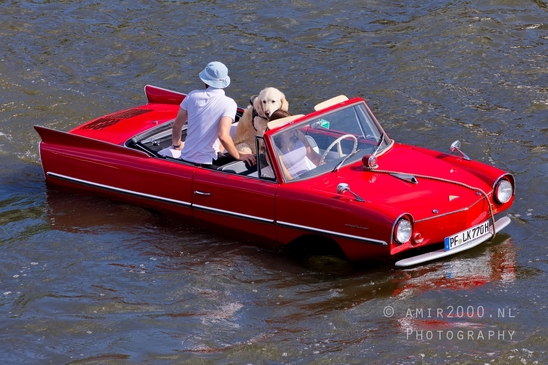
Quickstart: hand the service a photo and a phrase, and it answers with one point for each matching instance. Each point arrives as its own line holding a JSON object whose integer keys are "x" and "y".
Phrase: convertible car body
{"x": 369, "y": 198}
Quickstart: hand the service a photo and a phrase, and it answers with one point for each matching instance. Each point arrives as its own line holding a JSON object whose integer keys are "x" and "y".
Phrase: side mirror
{"x": 455, "y": 147}
{"x": 342, "y": 187}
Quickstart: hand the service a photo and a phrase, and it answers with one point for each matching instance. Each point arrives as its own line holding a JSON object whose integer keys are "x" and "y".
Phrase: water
{"x": 90, "y": 281}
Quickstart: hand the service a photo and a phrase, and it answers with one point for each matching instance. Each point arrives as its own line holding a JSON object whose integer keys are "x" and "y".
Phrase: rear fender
{"x": 158, "y": 95}
{"x": 63, "y": 142}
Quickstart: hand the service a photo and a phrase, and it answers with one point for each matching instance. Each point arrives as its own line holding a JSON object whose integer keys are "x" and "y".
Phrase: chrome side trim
{"x": 119, "y": 190}
{"x": 434, "y": 255}
{"x": 234, "y": 214}
{"x": 156, "y": 197}
{"x": 214, "y": 210}
{"x": 358, "y": 238}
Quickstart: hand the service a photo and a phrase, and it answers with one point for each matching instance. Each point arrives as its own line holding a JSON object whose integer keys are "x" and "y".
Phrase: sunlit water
{"x": 86, "y": 281}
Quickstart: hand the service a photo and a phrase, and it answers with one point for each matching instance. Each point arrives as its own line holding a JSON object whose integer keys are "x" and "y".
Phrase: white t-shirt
{"x": 205, "y": 109}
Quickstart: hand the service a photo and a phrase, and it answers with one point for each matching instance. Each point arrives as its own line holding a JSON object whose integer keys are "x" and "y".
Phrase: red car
{"x": 368, "y": 198}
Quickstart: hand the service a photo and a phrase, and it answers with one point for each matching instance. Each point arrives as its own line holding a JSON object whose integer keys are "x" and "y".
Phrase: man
{"x": 210, "y": 114}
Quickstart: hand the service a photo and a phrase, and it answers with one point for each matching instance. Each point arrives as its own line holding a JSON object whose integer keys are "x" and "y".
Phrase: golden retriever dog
{"x": 253, "y": 121}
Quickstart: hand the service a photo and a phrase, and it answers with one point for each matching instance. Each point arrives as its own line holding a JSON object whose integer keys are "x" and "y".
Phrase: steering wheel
{"x": 339, "y": 147}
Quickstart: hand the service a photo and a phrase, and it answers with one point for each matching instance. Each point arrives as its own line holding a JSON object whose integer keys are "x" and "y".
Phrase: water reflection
{"x": 476, "y": 320}
{"x": 497, "y": 262}
{"x": 77, "y": 213}
{"x": 487, "y": 264}
{"x": 210, "y": 295}
{"x": 92, "y": 280}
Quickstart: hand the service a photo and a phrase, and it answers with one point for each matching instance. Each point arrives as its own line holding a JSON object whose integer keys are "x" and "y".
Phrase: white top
{"x": 294, "y": 160}
{"x": 205, "y": 109}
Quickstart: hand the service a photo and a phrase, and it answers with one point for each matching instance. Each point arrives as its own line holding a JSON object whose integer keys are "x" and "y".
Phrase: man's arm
{"x": 228, "y": 143}
{"x": 178, "y": 124}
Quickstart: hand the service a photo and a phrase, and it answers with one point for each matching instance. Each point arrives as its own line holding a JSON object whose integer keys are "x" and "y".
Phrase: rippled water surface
{"x": 90, "y": 281}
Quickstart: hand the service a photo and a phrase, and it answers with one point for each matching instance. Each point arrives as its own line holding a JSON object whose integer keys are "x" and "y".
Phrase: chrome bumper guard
{"x": 434, "y": 255}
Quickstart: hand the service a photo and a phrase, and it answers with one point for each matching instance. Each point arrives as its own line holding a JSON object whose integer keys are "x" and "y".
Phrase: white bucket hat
{"x": 215, "y": 74}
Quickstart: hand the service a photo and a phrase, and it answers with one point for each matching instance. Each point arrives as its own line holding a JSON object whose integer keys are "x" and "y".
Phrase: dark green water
{"x": 90, "y": 281}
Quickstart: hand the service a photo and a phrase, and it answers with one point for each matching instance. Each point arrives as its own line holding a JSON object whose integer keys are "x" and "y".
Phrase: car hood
{"x": 429, "y": 184}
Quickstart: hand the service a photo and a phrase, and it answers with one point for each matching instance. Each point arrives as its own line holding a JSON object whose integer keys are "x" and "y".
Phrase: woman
{"x": 294, "y": 148}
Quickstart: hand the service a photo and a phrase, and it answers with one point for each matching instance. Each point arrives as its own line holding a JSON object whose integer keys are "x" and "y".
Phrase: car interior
{"x": 329, "y": 143}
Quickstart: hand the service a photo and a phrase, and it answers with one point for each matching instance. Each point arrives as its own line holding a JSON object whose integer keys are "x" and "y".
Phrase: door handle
{"x": 198, "y": 192}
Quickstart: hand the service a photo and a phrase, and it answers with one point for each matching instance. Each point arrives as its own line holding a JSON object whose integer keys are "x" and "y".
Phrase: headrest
{"x": 282, "y": 121}
{"x": 332, "y": 101}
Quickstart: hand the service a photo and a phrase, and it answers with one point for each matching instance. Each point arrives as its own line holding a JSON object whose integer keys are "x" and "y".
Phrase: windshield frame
{"x": 320, "y": 128}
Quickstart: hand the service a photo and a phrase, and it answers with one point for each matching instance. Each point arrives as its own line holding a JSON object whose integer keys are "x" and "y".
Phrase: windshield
{"x": 328, "y": 142}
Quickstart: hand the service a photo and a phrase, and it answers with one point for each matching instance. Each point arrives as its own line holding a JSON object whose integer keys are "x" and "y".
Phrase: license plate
{"x": 468, "y": 235}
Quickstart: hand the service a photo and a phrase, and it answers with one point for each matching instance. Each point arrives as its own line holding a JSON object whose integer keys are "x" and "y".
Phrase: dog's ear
{"x": 258, "y": 105}
{"x": 285, "y": 103}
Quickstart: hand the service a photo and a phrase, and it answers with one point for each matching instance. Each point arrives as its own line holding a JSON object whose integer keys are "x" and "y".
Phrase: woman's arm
{"x": 284, "y": 169}
{"x": 310, "y": 153}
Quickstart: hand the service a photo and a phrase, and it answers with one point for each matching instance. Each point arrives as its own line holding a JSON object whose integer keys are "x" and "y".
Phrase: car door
{"x": 235, "y": 201}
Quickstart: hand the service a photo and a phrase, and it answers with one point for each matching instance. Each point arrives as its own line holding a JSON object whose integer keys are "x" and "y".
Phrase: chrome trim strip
{"x": 227, "y": 212}
{"x": 364, "y": 239}
{"x": 215, "y": 210}
{"x": 119, "y": 190}
{"x": 444, "y": 214}
{"x": 434, "y": 255}
{"x": 449, "y": 213}
{"x": 155, "y": 197}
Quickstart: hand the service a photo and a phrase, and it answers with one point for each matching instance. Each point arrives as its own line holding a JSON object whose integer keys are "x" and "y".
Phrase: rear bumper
{"x": 434, "y": 255}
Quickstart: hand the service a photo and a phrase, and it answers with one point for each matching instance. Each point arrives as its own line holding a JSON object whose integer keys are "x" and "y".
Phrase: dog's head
{"x": 269, "y": 100}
